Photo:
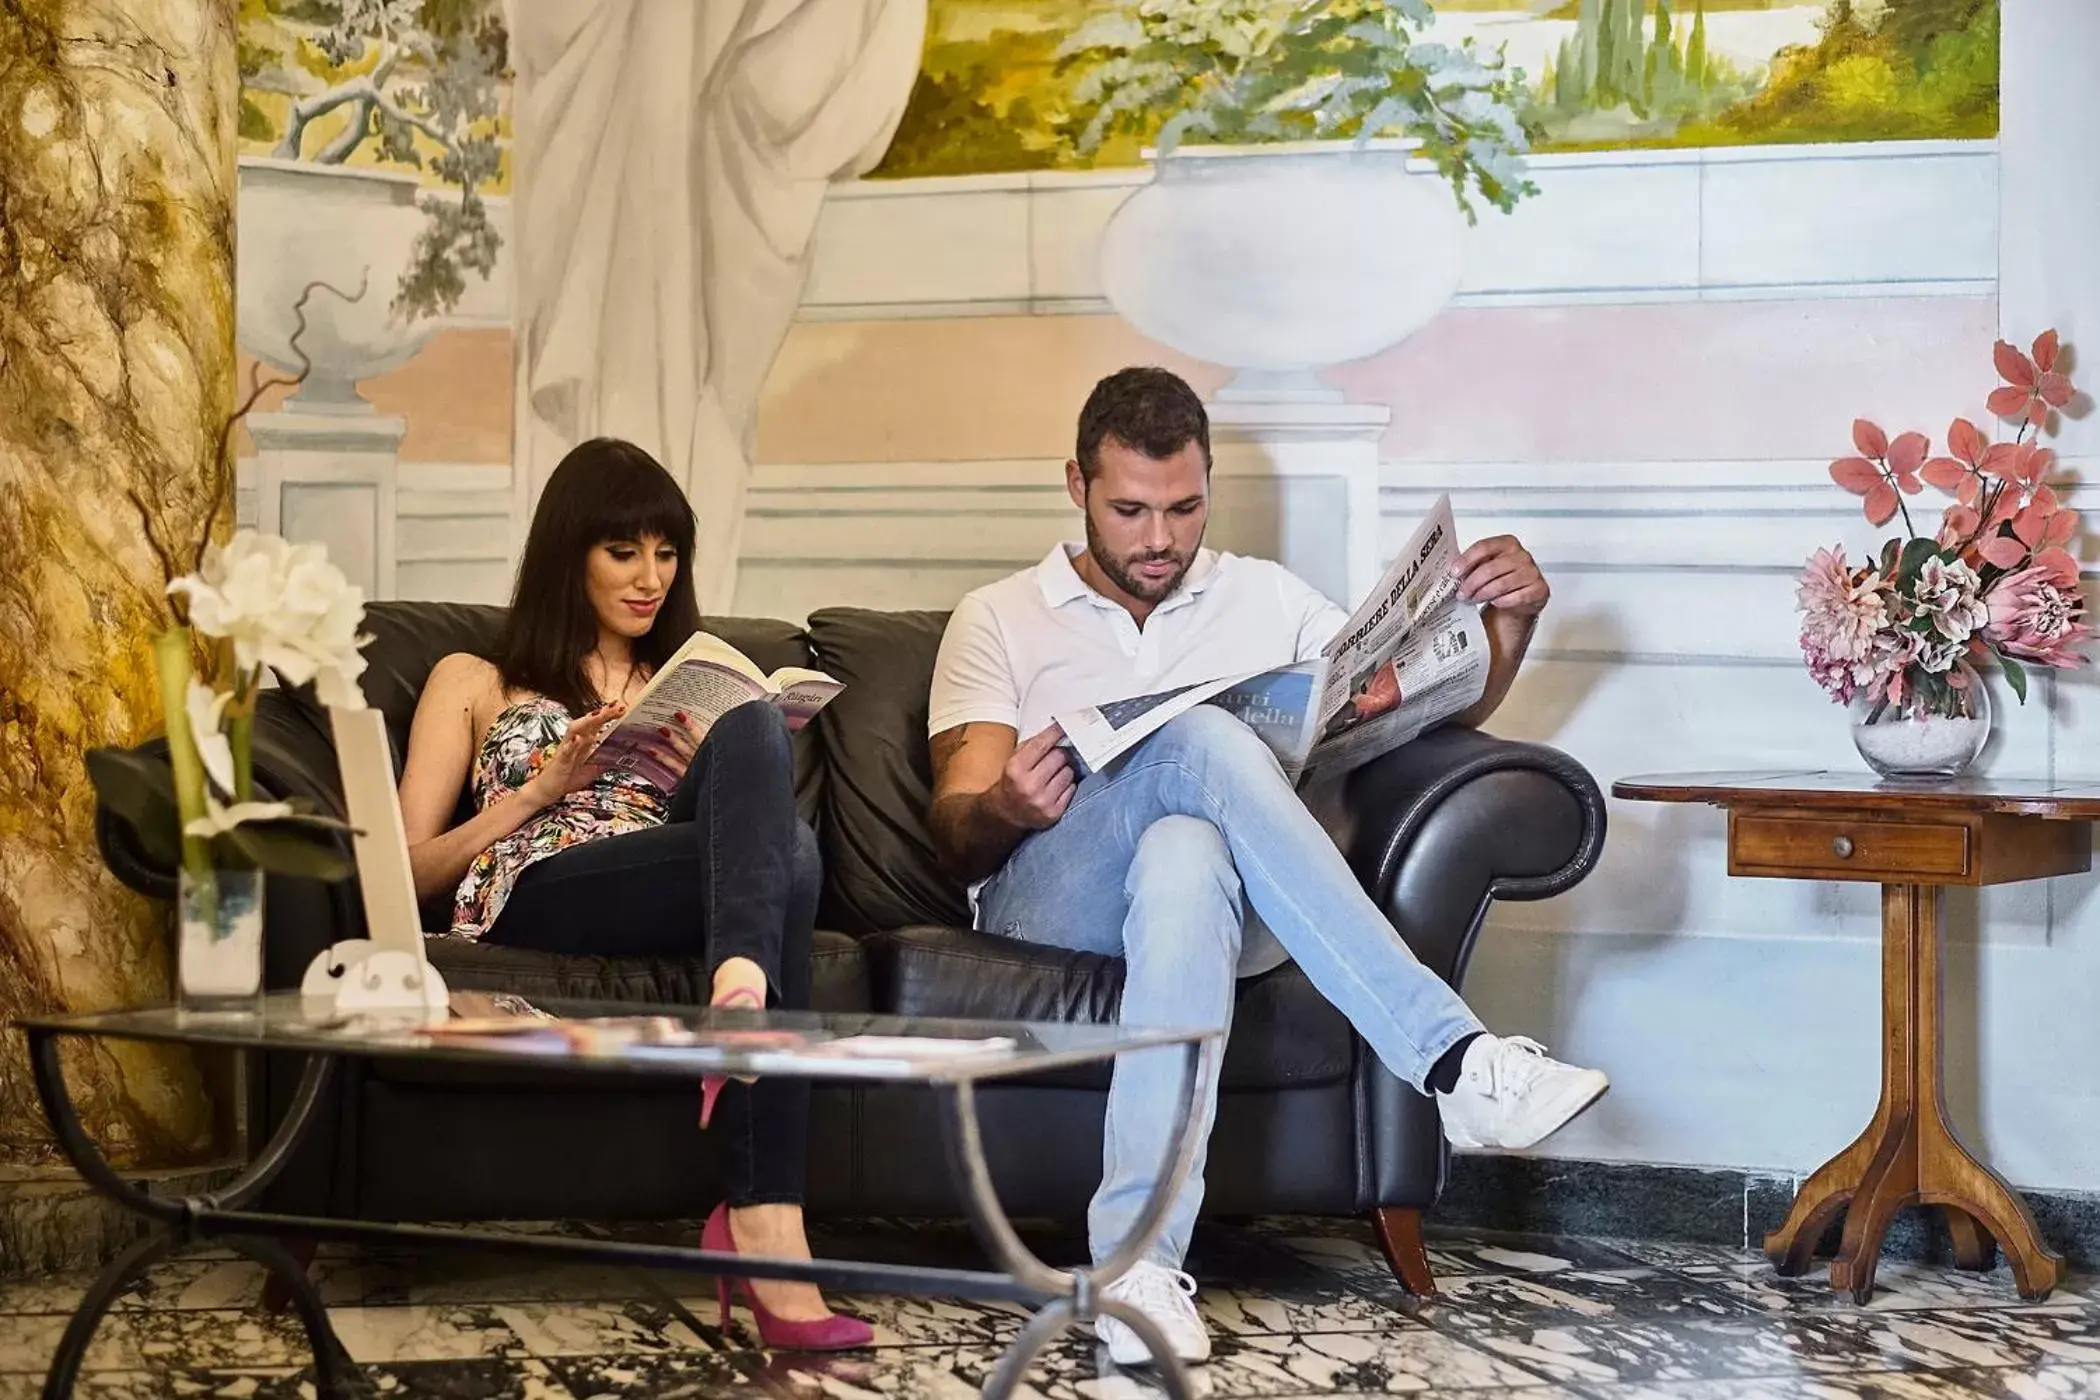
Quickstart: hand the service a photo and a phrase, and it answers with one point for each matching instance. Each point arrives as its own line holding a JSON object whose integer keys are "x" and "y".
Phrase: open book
{"x": 704, "y": 680}
{"x": 1409, "y": 657}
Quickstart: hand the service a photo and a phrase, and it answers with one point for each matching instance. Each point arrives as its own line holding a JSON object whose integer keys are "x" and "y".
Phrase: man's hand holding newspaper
{"x": 1410, "y": 656}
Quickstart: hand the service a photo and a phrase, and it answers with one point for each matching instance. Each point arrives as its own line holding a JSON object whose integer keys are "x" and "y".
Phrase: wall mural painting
{"x": 1063, "y": 84}
{"x": 369, "y": 125}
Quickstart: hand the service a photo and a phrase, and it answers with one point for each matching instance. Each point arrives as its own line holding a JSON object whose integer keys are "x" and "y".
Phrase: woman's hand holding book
{"x": 570, "y": 767}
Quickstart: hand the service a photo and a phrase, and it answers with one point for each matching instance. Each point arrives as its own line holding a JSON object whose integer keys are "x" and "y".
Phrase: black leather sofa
{"x": 1309, "y": 1121}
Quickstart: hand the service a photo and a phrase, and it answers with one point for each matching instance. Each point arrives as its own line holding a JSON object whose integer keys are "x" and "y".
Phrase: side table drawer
{"x": 1840, "y": 848}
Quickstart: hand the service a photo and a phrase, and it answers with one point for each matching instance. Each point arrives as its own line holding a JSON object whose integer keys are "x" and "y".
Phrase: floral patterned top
{"x": 520, "y": 740}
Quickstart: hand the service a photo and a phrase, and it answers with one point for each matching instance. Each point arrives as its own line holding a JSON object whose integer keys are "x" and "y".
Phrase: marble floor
{"x": 1299, "y": 1308}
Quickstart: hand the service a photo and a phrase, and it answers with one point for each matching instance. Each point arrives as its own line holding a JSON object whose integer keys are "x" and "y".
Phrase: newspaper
{"x": 1282, "y": 706}
{"x": 1410, "y": 656}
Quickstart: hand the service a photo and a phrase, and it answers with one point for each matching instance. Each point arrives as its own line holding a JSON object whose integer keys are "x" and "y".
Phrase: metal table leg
{"x": 1075, "y": 1296}
{"x": 176, "y": 1222}
{"x": 142, "y": 1255}
{"x": 331, "y": 1373}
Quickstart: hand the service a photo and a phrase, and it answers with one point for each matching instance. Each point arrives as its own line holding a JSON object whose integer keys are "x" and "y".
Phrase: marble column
{"x": 117, "y": 122}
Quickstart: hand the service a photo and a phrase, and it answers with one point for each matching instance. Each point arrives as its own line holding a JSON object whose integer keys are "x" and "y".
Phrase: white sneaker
{"x": 1510, "y": 1094}
{"x": 1165, "y": 1296}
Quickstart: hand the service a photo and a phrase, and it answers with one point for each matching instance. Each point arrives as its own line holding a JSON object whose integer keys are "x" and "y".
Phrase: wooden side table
{"x": 1913, "y": 840}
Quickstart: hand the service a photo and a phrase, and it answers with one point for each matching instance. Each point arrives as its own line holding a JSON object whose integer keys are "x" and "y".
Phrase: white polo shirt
{"x": 1041, "y": 641}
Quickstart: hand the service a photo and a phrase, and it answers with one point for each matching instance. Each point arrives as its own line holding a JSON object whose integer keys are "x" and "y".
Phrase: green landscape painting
{"x": 1009, "y": 85}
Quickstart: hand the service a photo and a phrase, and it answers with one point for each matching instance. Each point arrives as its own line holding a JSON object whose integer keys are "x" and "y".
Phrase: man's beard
{"x": 1121, "y": 572}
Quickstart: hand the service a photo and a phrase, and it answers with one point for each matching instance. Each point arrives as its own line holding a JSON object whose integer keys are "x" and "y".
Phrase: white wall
{"x": 451, "y": 535}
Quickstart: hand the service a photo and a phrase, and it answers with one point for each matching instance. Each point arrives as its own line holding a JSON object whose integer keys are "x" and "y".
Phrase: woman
{"x": 564, "y": 857}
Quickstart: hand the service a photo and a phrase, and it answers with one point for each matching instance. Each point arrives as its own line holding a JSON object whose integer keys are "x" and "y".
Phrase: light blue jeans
{"x": 1156, "y": 861}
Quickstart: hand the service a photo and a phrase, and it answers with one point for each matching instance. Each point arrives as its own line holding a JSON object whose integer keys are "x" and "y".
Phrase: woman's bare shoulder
{"x": 464, "y": 668}
{"x": 462, "y": 678}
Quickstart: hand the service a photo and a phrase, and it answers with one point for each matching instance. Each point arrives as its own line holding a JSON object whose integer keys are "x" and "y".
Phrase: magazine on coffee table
{"x": 528, "y": 1031}
{"x": 1411, "y": 656}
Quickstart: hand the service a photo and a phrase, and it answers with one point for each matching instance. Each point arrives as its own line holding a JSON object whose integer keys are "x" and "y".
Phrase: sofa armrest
{"x": 1437, "y": 831}
{"x": 118, "y": 841}
{"x": 1439, "y": 828}
{"x": 294, "y": 757}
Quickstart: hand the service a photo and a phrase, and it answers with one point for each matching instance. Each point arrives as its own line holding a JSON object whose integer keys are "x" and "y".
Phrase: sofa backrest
{"x": 880, "y": 870}
{"x": 408, "y": 641}
{"x": 410, "y": 638}
{"x": 863, "y": 776}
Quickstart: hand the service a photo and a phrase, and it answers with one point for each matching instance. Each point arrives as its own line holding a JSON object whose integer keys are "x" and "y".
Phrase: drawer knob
{"x": 1842, "y": 848}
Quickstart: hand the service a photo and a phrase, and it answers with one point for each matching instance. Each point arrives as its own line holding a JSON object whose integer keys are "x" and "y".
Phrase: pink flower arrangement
{"x": 1995, "y": 579}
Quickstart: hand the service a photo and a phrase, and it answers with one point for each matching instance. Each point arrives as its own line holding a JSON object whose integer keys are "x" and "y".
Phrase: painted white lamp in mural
{"x": 325, "y": 464}
{"x": 1280, "y": 261}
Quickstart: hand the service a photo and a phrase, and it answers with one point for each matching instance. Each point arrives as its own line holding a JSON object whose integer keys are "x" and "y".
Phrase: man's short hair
{"x": 1147, "y": 409}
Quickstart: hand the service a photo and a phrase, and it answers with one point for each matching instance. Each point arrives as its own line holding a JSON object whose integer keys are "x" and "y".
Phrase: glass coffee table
{"x": 615, "y": 1039}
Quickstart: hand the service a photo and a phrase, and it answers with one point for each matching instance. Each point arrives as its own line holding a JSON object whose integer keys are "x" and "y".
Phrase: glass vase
{"x": 219, "y": 948}
{"x": 1936, "y": 730}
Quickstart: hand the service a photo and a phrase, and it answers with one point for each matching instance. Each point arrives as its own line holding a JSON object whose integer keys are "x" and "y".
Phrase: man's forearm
{"x": 973, "y": 839}
{"x": 1509, "y": 637}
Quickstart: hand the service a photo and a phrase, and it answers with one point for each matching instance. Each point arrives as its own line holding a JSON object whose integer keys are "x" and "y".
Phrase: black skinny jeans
{"x": 732, "y": 873}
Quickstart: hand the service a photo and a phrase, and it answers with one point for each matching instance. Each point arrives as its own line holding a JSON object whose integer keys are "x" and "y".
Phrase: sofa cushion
{"x": 840, "y": 974}
{"x": 839, "y": 983}
{"x": 408, "y": 641}
{"x": 881, "y": 871}
{"x": 1284, "y": 1033}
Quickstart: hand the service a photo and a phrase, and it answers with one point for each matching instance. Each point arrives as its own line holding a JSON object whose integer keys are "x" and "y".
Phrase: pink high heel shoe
{"x": 711, "y": 1085}
{"x": 835, "y": 1333}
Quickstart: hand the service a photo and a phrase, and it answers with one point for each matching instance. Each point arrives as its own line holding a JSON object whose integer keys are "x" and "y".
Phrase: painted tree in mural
{"x": 406, "y": 82}
{"x": 1024, "y": 84}
{"x": 1924, "y": 67}
{"x": 1618, "y": 75}
{"x": 1233, "y": 71}
{"x": 1890, "y": 68}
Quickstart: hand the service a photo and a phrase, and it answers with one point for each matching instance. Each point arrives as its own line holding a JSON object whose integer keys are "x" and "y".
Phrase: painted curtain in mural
{"x": 673, "y": 163}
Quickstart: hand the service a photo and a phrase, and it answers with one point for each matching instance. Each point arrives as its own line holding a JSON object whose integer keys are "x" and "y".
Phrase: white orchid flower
{"x": 283, "y": 606}
{"x": 219, "y": 819}
{"x": 206, "y": 709}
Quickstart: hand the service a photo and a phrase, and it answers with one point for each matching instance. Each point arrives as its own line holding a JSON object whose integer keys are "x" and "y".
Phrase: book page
{"x": 800, "y": 701}
{"x": 700, "y": 689}
{"x": 704, "y": 680}
{"x": 795, "y": 675}
{"x": 705, "y": 646}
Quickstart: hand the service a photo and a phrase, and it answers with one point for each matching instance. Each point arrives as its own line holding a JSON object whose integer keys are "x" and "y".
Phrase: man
{"x": 1159, "y": 859}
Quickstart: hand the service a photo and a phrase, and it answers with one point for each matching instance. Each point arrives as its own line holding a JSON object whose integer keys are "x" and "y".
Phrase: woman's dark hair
{"x": 603, "y": 490}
